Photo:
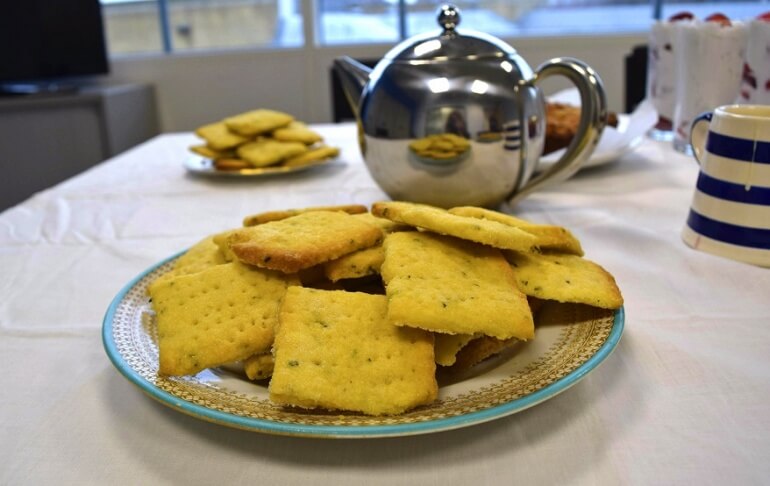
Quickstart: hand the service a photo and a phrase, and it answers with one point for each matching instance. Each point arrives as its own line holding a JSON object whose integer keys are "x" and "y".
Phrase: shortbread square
{"x": 453, "y": 286}
{"x": 257, "y": 122}
{"x": 210, "y": 153}
{"x": 548, "y": 237}
{"x": 448, "y": 345}
{"x": 361, "y": 263}
{"x": 440, "y": 221}
{"x": 336, "y": 350}
{"x": 265, "y": 152}
{"x": 304, "y": 240}
{"x": 297, "y": 132}
{"x": 277, "y": 215}
{"x": 565, "y": 278}
{"x": 259, "y": 366}
{"x": 202, "y": 255}
{"x": 219, "y": 138}
{"x": 312, "y": 156}
{"x": 217, "y": 316}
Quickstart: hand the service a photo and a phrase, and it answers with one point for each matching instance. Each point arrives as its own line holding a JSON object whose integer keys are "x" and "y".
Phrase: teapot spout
{"x": 354, "y": 76}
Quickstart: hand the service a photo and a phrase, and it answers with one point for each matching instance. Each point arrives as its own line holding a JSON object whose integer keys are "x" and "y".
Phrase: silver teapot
{"x": 480, "y": 91}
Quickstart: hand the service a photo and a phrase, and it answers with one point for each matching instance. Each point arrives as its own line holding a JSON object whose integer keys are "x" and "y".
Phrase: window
{"x": 373, "y": 21}
{"x": 135, "y": 26}
{"x": 357, "y": 22}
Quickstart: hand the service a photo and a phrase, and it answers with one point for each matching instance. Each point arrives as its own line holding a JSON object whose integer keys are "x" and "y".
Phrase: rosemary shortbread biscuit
{"x": 267, "y": 216}
{"x": 448, "y": 345}
{"x": 548, "y": 237}
{"x": 301, "y": 241}
{"x": 565, "y": 278}
{"x": 386, "y": 225}
{"x": 337, "y": 350}
{"x": 441, "y": 221}
{"x": 210, "y": 153}
{"x": 478, "y": 349}
{"x": 297, "y": 132}
{"x": 265, "y": 152}
{"x": 312, "y": 156}
{"x": 257, "y": 122}
{"x": 259, "y": 366}
{"x": 358, "y": 264}
{"x": 453, "y": 286}
{"x": 199, "y": 257}
{"x": 222, "y": 240}
{"x": 363, "y": 262}
{"x": 220, "y": 315}
{"x": 219, "y": 138}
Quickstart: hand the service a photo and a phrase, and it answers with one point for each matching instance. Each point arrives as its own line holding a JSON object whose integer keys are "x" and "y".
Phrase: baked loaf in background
{"x": 562, "y": 122}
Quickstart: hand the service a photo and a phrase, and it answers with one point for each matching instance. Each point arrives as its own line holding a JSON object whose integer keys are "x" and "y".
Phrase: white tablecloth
{"x": 682, "y": 400}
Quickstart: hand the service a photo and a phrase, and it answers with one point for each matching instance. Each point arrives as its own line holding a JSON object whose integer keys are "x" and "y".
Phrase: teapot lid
{"x": 449, "y": 43}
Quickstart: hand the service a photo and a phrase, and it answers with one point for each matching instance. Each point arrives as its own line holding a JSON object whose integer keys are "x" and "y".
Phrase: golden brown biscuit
{"x": 562, "y": 122}
{"x": 312, "y": 156}
{"x": 219, "y": 138}
{"x": 478, "y": 349}
{"x": 366, "y": 262}
{"x": 302, "y": 241}
{"x": 441, "y": 221}
{"x": 386, "y": 225}
{"x": 548, "y": 237}
{"x": 453, "y": 286}
{"x": 257, "y": 122}
{"x": 358, "y": 264}
{"x": 448, "y": 345}
{"x": 223, "y": 314}
{"x": 336, "y": 350}
{"x": 565, "y": 278}
{"x": 210, "y": 153}
{"x": 259, "y": 366}
{"x": 297, "y": 132}
{"x": 267, "y": 216}
{"x": 265, "y": 152}
{"x": 199, "y": 257}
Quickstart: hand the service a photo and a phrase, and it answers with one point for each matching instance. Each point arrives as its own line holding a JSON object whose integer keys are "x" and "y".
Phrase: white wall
{"x": 193, "y": 89}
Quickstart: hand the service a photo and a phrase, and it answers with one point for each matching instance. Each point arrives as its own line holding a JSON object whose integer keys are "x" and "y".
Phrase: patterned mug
{"x": 730, "y": 211}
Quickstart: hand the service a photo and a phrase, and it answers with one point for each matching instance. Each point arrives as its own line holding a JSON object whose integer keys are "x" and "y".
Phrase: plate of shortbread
{"x": 623, "y": 133}
{"x": 255, "y": 143}
{"x": 357, "y": 322}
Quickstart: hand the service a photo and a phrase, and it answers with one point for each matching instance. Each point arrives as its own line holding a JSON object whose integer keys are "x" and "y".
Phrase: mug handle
{"x": 698, "y": 132}
{"x": 593, "y": 118}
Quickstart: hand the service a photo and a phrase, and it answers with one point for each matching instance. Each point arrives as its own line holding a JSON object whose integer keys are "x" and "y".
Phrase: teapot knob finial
{"x": 448, "y": 17}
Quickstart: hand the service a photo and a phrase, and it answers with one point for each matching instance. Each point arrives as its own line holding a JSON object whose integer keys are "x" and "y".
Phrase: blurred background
{"x": 228, "y": 55}
{"x": 153, "y": 66}
{"x": 178, "y": 25}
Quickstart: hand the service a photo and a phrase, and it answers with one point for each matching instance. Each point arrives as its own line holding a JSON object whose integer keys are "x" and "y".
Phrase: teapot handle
{"x": 593, "y": 118}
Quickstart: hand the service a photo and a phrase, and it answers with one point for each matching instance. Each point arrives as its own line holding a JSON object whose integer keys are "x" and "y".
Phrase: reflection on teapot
{"x": 470, "y": 85}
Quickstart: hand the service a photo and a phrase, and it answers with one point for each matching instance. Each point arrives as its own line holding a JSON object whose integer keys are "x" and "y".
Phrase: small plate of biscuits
{"x": 255, "y": 143}
{"x": 356, "y": 322}
{"x": 622, "y": 134}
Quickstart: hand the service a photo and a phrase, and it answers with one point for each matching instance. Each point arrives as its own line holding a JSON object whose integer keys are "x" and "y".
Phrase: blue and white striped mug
{"x": 730, "y": 212}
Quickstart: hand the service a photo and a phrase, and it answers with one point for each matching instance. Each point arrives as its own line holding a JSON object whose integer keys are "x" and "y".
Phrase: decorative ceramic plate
{"x": 570, "y": 342}
{"x": 205, "y": 167}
